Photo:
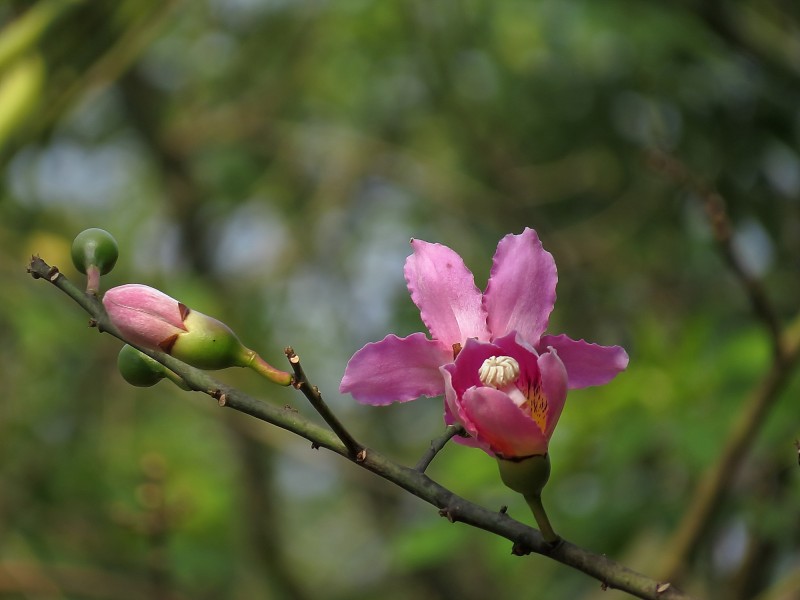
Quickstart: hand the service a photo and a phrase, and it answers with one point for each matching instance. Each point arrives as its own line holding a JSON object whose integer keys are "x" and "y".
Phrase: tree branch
{"x": 436, "y": 445}
{"x": 315, "y": 397}
{"x": 525, "y": 539}
{"x": 714, "y": 205}
{"x": 786, "y": 351}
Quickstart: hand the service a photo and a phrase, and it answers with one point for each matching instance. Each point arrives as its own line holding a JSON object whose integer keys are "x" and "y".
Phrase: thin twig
{"x": 315, "y": 397}
{"x": 786, "y": 351}
{"x": 525, "y": 539}
{"x": 715, "y": 208}
{"x": 436, "y": 445}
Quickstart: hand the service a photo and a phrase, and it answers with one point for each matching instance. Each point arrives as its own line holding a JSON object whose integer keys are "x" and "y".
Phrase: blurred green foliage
{"x": 266, "y": 161}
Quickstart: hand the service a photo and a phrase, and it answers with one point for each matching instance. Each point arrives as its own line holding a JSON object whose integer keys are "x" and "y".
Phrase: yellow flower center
{"x": 499, "y": 371}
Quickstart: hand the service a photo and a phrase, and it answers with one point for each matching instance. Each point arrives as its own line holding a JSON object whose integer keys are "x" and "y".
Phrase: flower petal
{"x": 502, "y": 425}
{"x": 144, "y": 315}
{"x": 554, "y": 388}
{"x": 587, "y": 364}
{"x": 444, "y": 290}
{"x": 453, "y": 412}
{"x": 396, "y": 370}
{"x": 521, "y": 291}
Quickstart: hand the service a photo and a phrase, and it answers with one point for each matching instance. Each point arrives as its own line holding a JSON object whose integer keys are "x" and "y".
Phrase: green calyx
{"x": 208, "y": 344}
{"x": 528, "y": 475}
{"x": 94, "y": 248}
{"x": 142, "y": 371}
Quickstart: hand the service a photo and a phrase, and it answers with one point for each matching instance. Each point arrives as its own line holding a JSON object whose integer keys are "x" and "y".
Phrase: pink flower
{"x": 507, "y": 396}
{"x": 519, "y": 298}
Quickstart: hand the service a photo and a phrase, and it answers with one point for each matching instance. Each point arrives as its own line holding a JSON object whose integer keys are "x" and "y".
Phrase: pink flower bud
{"x": 145, "y": 316}
{"x": 149, "y": 318}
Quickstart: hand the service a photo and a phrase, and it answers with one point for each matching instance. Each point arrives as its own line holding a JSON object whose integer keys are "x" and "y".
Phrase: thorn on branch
{"x": 314, "y": 446}
{"x": 503, "y": 509}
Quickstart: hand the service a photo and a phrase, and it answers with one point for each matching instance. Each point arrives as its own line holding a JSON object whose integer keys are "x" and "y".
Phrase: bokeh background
{"x": 267, "y": 161}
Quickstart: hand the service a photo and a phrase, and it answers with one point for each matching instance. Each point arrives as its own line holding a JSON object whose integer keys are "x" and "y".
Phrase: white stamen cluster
{"x": 499, "y": 371}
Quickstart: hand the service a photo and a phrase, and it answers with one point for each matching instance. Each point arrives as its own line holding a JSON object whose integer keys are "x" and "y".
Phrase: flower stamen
{"x": 536, "y": 406}
{"x": 499, "y": 371}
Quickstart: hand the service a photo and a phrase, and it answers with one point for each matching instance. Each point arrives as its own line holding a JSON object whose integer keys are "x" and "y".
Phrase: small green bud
{"x": 94, "y": 247}
{"x": 139, "y": 369}
{"x": 142, "y": 371}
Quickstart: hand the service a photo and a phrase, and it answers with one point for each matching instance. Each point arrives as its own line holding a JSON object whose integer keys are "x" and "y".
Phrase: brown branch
{"x": 786, "y": 350}
{"x": 525, "y": 539}
{"x": 436, "y": 445}
{"x": 314, "y": 396}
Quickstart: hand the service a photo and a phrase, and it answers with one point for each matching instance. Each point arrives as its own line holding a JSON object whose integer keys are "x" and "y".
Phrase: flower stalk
{"x": 537, "y": 508}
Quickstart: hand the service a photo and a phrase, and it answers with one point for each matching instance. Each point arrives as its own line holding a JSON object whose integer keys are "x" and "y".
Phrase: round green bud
{"x": 139, "y": 369}
{"x": 94, "y": 247}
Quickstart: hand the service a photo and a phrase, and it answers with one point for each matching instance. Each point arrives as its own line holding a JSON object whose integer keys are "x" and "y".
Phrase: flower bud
{"x": 142, "y": 371}
{"x": 150, "y": 318}
{"x": 94, "y": 253}
{"x": 94, "y": 247}
{"x": 528, "y": 476}
{"x": 139, "y": 369}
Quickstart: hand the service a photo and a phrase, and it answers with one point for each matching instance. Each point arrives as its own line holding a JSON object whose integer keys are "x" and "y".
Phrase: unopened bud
{"x": 94, "y": 253}
{"x": 150, "y": 318}
{"x": 139, "y": 369}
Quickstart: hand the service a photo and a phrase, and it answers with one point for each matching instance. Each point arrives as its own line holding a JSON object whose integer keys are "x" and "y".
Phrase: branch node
{"x": 361, "y": 456}
{"x": 503, "y": 509}
{"x": 450, "y": 513}
{"x": 53, "y": 274}
{"x": 93, "y": 322}
{"x": 520, "y": 549}
{"x": 290, "y": 408}
{"x": 219, "y": 396}
{"x": 314, "y": 446}
{"x": 662, "y": 587}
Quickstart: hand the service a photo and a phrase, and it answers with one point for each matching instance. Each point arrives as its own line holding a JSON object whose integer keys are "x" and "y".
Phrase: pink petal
{"x": 587, "y": 364}
{"x": 521, "y": 291}
{"x": 144, "y": 315}
{"x": 554, "y": 388}
{"x": 502, "y": 424}
{"x": 466, "y": 371}
{"x": 444, "y": 291}
{"x": 453, "y": 413}
{"x": 396, "y": 370}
